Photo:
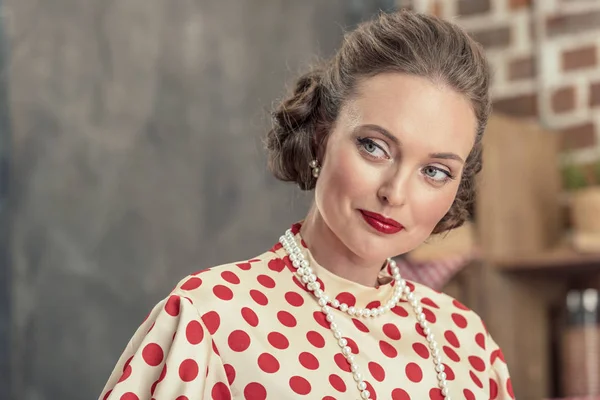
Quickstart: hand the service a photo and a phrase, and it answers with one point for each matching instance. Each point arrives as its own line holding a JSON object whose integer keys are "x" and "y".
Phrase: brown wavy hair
{"x": 402, "y": 42}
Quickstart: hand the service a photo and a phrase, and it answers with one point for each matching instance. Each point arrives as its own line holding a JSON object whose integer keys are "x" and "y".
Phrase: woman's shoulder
{"x": 229, "y": 283}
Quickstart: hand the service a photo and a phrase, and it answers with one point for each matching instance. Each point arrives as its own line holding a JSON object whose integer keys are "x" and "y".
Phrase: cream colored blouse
{"x": 249, "y": 330}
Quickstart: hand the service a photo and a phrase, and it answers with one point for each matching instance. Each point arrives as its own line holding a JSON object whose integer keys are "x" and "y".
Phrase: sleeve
{"x": 171, "y": 356}
{"x": 500, "y": 383}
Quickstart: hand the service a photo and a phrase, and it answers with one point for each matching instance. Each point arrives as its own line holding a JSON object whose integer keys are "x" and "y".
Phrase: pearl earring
{"x": 314, "y": 165}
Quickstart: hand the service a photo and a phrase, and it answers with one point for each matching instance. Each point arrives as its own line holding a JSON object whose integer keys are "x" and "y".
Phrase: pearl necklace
{"x": 401, "y": 290}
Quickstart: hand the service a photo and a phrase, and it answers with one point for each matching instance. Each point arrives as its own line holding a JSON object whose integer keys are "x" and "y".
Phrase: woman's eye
{"x": 437, "y": 174}
{"x": 370, "y": 147}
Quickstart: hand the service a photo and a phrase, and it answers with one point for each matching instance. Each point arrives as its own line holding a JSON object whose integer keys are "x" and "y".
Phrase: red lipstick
{"x": 381, "y": 223}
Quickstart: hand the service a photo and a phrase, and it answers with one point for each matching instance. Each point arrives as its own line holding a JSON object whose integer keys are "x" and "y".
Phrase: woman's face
{"x": 393, "y": 162}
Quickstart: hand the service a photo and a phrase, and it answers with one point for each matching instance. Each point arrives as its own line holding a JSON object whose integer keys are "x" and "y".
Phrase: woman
{"x": 388, "y": 134}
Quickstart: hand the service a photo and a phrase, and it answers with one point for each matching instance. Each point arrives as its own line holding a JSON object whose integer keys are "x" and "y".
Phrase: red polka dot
{"x": 328, "y": 398}
{"x": 286, "y": 319}
{"x": 360, "y": 326}
{"x": 436, "y": 394}
{"x": 509, "y": 388}
{"x": 163, "y": 373}
{"x": 266, "y": 281}
{"x": 388, "y": 349}
{"x": 400, "y": 394}
{"x": 411, "y": 286}
{"x": 172, "y": 305}
{"x": 469, "y": 395}
{"x": 300, "y": 385}
{"x": 496, "y": 354}
{"x": 315, "y": 339}
{"x": 244, "y": 266}
{"x": 268, "y": 363}
{"x": 320, "y": 318}
{"x": 480, "y": 340}
{"x": 238, "y": 340}
{"x": 191, "y": 284}
{"x": 449, "y": 373}
{"x": 477, "y": 363}
{"x": 347, "y": 298}
{"x": 230, "y": 277}
{"x": 194, "y": 332}
{"x": 341, "y": 362}
{"x": 295, "y": 229}
{"x": 220, "y": 392}
{"x": 337, "y": 383}
{"x": 294, "y": 299}
{"x": 459, "y": 320}
{"x": 493, "y": 389}
{"x": 428, "y": 302}
{"x": 152, "y": 354}
{"x": 452, "y": 339}
{"x": 126, "y": 373}
{"x": 212, "y": 321}
{"x": 391, "y": 331}
{"x": 276, "y": 265}
{"x": 460, "y": 305}
{"x": 308, "y": 361}
{"x": 400, "y": 311}
{"x": 250, "y": 316}
{"x": 182, "y": 398}
{"x": 451, "y": 353}
{"x": 259, "y": 297}
{"x": 255, "y": 391}
{"x": 352, "y": 344}
{"x": 230, "y": 372}
{"x": 414, "y": 372}
{"x": 373, "y": 304}
{"x": 106, "y": 396}
{"x": 278, "y": 341}
{"x": 376, "y": 371}
{"x": 214, "y": 346}
{"x": 420, "y": 330}
{"x": 223, "y": 292}
{"x": 421, "y": 350}
{"x": 429, "y": 315}
{"x": 188, "y": 370}
{"x": 476, "y": 379}
{"x": 129, "y": 396}
{"x": 371, "y": 390}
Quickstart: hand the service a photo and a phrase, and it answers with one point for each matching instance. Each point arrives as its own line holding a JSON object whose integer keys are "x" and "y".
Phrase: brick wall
{"x": 545, "y": 55}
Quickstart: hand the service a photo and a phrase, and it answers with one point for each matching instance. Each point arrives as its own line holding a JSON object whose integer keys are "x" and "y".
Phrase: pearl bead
{"x": 343, "y": 307}
{"x": 357, "y": 376}
{"x": 365, "y": 394}
{"x": 335, "y": 303}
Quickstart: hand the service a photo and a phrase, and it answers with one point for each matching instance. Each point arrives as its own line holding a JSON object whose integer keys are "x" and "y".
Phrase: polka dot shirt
{"x": 249, "y": 330}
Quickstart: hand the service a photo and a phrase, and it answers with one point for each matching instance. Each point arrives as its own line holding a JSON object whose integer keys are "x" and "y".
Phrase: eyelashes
{"x": 370, "y": 148}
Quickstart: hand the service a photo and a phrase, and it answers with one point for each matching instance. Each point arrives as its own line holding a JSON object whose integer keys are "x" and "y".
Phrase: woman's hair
{"x": 402, "y": 42}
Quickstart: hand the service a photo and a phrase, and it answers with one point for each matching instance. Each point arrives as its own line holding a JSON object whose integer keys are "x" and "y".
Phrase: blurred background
{"x": 131, "y": 155}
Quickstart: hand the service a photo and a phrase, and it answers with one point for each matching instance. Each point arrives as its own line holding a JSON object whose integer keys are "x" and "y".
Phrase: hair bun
{"x": 291, "y": 140}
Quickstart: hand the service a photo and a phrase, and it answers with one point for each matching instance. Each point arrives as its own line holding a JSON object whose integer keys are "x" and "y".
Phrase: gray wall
{"x": 137, "y": 159}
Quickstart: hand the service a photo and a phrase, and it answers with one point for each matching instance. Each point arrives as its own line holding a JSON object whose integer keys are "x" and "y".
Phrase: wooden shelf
{"x": 562, "y": 259}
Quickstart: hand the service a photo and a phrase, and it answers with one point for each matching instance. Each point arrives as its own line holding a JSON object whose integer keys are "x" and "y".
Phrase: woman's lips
{"x": 381, "y": 223}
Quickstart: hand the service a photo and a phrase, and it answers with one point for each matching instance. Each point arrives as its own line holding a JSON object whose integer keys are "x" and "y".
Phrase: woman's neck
{"x": 330, "y": 253}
